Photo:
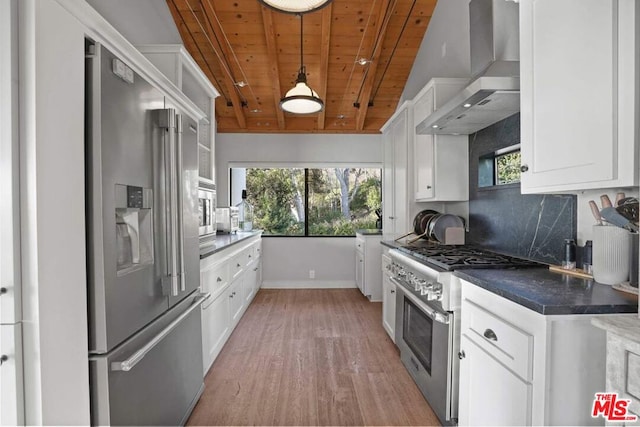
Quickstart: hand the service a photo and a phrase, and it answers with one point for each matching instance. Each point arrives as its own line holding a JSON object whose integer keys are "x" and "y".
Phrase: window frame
{"x": 305, "y": 166}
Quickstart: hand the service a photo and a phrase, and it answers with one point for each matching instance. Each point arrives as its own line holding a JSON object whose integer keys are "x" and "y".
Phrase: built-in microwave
{"x": 207, "y": 208}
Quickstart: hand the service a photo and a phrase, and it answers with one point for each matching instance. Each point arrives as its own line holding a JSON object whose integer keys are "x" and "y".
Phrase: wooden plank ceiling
{"x": 251, "y": 54}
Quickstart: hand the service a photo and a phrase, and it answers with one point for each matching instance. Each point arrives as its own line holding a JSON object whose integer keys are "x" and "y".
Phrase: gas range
{"x": 426, "y": 269}
{"x": 427, "y": 328}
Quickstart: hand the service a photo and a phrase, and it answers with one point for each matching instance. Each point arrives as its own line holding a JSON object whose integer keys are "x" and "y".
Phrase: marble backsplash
{"x": 506, "y": 221}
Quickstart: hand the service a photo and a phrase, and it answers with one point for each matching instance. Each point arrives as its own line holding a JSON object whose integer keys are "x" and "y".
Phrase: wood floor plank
{"x": 310, "y": 357}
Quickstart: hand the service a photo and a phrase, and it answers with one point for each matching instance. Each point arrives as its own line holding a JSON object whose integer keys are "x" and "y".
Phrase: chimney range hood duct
{"x": 494, "y": 91}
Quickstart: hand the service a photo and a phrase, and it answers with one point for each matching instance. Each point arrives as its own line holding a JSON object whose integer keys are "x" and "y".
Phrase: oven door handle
{"x": 435, "y": 315}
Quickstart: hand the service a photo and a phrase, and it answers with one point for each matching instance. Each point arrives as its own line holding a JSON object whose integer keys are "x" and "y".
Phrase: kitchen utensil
{"x": 439, "y": 225}
{"x": 611, "y": 254}
{"x": 420, "y": 222}
{"x": 619, "y": 196}
{"x": 628, "y": 208}
{"x": 605, "y": 201}
{"x": 612, "y": 216}
{"x": 595, "y": 211}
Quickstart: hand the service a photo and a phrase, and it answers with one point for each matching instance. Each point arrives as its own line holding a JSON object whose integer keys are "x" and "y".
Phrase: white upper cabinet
{"x": 395, "y": 181}
{"x": 440, "y": 162}
{"x": 178, "y": 66}
{"x": 579, "y": 94}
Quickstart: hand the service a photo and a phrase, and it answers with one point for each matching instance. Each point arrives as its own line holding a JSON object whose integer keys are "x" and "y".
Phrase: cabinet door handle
{"x": 238, "y": 265}
{"x": 393, "y": 291}
{"x": 3, "y": 291}
{"x": 524, "y": 168}
{"x": 461, "y": 355}
{"x": 255, "y": 269}
{"x": 490, "y": 335}
{"x": 428, "y": 187}
{"x": 392, "y": 217}
{"x": 249, "y": 256}
{"x": 219, "y": 279}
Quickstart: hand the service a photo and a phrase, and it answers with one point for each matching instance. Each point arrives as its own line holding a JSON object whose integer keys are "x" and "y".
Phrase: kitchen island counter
{"x": 550, "y": 293}
{"x": 215, "y": 244}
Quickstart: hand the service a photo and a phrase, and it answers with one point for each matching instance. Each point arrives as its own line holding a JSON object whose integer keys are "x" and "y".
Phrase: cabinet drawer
{"x": 257, "y": 249}
{"x": 237, "y": 264}
{"x": 215, "y": 278}
{"x": 504, "y": 341}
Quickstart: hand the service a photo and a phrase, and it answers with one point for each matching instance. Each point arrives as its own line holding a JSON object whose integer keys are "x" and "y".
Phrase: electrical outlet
{"x": 312, "y": 274}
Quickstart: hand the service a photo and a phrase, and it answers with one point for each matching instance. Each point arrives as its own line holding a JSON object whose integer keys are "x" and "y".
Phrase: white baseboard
{"x": 308, "y": 284}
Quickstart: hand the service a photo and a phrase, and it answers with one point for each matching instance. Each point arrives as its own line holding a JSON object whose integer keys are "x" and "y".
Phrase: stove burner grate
{"x": 465, "y": 257}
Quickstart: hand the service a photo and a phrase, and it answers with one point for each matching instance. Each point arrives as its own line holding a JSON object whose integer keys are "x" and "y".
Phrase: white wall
{"x": 287, "y": 261}
{"x": 444, "y": 51}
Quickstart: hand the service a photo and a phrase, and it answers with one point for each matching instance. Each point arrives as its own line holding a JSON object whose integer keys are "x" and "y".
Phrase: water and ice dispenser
{"x": 134, "y": 227}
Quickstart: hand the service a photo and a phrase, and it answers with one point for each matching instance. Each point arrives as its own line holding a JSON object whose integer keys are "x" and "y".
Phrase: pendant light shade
{"x": 295, "y": 6}
{"x": 301, "y": 99}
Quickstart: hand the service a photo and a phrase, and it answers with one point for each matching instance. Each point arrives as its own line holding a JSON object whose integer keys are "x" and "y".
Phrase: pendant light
{"x": 296, "y": 7}
{"x": 301, "y": 99}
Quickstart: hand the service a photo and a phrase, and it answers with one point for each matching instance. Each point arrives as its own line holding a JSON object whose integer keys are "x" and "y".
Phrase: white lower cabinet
{"x": 388, "y": 298}
{"x": 484, "y": 375}
{"x": 368, "y": 250}
{"x": 519, "y": 367}
{"x": 233, "y": 277}
{"x": 215, "y": 328}
{"x": 11, "y": 402}
{"x": 235, "y": 292}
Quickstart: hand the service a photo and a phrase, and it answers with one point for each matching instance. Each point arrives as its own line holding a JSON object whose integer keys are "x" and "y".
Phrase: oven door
{"x": 425, "y": 337}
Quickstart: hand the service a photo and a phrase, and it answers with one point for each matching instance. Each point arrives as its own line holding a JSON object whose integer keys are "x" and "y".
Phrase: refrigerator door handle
{"x": 135, "y": 358}
{"x": 167, "y": 120}
{"x": 180, "y": 201}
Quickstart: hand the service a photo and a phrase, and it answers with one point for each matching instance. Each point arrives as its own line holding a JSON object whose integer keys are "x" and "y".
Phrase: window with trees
{"x": 314, "y": 201}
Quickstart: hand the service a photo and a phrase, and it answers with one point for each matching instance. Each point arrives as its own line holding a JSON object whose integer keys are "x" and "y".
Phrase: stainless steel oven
{"x": 428, "y": 315}
{"x": 207, "y": 208}
{"x": 425, "y": 335}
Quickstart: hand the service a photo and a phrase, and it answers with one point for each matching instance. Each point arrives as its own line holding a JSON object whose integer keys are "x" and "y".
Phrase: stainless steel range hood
{"x": 494, "y": 91}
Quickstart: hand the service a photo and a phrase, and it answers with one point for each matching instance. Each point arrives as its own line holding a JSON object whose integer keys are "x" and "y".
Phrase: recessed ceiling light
{"x": 363, "y": 61}
{"x": 240, "y": 83}
{"x": 467, "y": 105}
{"x": 435, "y": 126}
{"x": 256, "y": 110}
{"x": 340, "y": 116}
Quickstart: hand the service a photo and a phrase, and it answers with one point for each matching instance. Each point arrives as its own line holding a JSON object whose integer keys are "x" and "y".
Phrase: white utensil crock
{"x": 611, "y": 254}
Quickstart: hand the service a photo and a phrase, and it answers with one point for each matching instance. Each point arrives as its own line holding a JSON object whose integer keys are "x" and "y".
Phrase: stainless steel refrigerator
{"x": 142, "y": 249}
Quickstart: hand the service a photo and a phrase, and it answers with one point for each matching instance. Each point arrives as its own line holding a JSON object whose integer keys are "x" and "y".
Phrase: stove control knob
{"x": 420, "y": 285}
{"x": 425, "y": 288}
{"x": 401, "y": 272}
{"x": 437, "y": 291}
{"x": 431, "y": 295}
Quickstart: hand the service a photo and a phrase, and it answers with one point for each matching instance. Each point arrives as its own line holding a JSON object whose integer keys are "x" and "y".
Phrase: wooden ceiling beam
{"x": 214, "y": 31}
{"x": 369, "y": 77}
{"x": 325, "y": 42}
{"x": 274, "y": 71}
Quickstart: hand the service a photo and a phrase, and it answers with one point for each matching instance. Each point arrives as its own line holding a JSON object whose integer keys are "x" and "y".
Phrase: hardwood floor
{"x": 310, "y": 357}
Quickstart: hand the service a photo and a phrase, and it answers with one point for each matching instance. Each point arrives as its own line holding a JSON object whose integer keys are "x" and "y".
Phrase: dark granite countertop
{"x": 548, "y": 293}
{"x": 215, "y": 244}
{"x": 369, "y": 231}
